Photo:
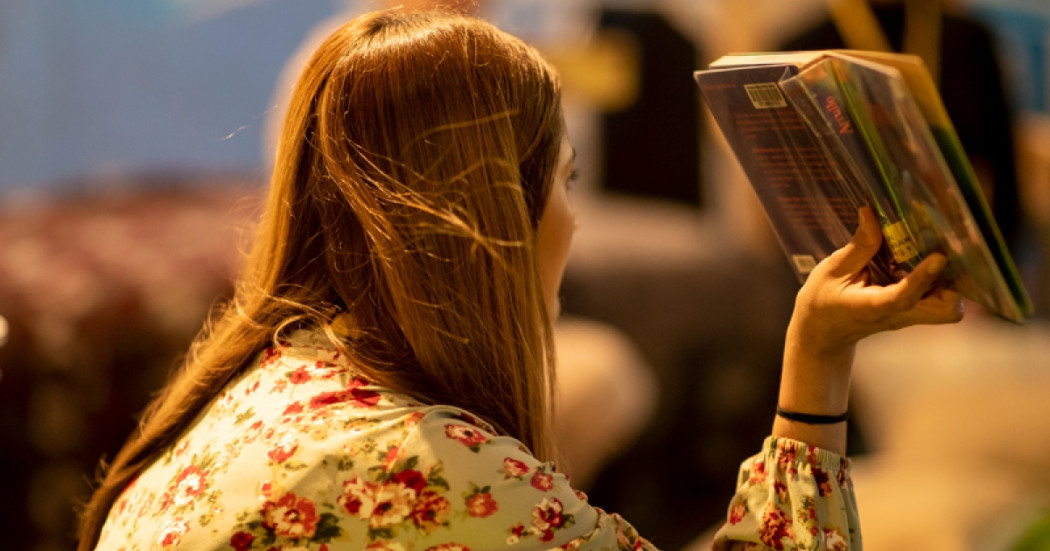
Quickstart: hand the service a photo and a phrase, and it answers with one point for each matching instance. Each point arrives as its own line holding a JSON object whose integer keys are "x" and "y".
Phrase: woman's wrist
{"x": 814, "y": 384}
{"x": 826, "y": 437}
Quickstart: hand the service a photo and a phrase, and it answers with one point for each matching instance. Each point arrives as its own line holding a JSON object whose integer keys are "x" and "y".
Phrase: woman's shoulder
{"x": 291, "y": 431}
{"x": 304, "y": 407}
{"x": 304, "y": 450}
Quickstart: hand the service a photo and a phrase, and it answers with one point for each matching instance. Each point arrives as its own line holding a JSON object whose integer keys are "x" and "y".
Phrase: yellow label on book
{"x": 900, "y": 242}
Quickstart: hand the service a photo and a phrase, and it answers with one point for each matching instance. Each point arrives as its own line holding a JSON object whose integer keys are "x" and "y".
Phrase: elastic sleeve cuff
{"x": 785, "y": 450}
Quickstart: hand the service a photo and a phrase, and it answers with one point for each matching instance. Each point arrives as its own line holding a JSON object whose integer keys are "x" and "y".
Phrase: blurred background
{"x": 134, "y": 142}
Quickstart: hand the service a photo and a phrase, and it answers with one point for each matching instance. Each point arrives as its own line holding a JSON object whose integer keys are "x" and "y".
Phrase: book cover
{"x": 820, "y": 134}
{"x": 834, "y": 112}
{"x": 800, "y": 191}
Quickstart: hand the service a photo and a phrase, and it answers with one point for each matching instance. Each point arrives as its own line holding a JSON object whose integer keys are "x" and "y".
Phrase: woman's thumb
{"x": 851, "y": 258}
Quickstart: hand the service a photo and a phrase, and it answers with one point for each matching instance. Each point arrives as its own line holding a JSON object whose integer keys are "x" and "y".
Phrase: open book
{"x": 820, "y": 134}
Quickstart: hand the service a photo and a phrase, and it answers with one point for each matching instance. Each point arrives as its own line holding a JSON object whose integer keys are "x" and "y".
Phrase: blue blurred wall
{"x": 1022, "y": 28}
{"x": 96, "y": 86}
{"x": 88, "y": 86}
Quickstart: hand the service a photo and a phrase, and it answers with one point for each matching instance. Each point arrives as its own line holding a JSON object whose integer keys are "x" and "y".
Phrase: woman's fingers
{"x": 910, "y": 301}
{"x": 907, "y": 292}
{"x": 851, "y": 259}
{"x": 837, "y": 305}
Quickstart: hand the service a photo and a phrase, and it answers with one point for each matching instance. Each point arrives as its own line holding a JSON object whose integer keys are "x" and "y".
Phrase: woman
{"x": 382, "y": 377}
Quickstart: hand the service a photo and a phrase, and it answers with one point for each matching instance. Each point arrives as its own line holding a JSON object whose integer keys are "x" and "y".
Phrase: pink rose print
{"x": 241, "y": 541}
{"x": 786, "y": 460}
{"x": 411, "y": 479}
{"x": 574, "y": 545}
{"x": 547, "y": 517}
{"x": 812, "y": 457}
{"x": 413, "y": 419}
{"x": 822, "y": 478}
{"x": 468, "y": 418}
{"x": 187, "y": 486}
{"x": 468, "y": 436}
{"x": 514, "y": 468}
{"x": 834, "y": 540}
{"x": 393, "y": 504}
{"x": 299, "y": 376}
{"x": 623, "y": 541}
{"x": 776, "y": 526}
{"x": 283, "y": 450}
{"x": 823, "y": 482}
{"x": 542, "y": 481}
{"x": 516, "y": 532}
{"x": 781, "y": 490}
{"x": 787, "y": 452}
{"x": 122, "y": 505}
{"x": 172, "y": 532}
{"x": 270, "y": 356}
{"x": 327, "y": 370}
{"x": 358, "y": 495}
{"x": 359, "y": 396}
{"x": 431, "y": 511}
{"x": 384, "y": 505}
{"x": 758, "y": 473}
{"x": 481, "y": 505}
{"x": 390, "y": 456}
{"x": 290, "y": 516}
{"x": 737, "y": 511}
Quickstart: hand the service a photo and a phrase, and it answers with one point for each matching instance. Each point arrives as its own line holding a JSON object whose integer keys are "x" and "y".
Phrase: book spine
{"x": 847, "y": 124}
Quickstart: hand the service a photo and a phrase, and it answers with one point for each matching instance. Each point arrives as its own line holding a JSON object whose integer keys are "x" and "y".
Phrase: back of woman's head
{"x": 411, "y": 173}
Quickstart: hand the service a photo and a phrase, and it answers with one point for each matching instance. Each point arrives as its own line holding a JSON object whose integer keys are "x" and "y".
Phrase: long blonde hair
{"x": 413, "y": 166}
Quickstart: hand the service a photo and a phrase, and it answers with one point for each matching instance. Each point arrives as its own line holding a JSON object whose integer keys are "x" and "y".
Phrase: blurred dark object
{"x": 102, "y": 291}
{"x": 972, "y": 85}
{"x": 710, "y": 319}
{"x": 651, "y": 148}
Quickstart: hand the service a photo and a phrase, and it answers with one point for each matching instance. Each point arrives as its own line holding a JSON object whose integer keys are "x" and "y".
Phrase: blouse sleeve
{"x": 792, "y": 496}
{"x": 500, "y": 496}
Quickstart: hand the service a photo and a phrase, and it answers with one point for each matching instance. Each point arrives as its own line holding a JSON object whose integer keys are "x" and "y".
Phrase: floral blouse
{"x": 302, "y": 453}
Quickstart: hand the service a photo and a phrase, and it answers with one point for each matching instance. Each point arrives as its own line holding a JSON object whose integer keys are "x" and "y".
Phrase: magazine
{"x": 821, "y": 134}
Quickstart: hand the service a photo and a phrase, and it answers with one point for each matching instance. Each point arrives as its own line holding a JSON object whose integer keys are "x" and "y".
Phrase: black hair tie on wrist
{"x": 812, "y": 419}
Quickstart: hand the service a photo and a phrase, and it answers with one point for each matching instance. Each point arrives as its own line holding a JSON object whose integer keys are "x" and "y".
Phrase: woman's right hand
{"x": 838, "y": 305}
{"x": 836, "y": 308}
